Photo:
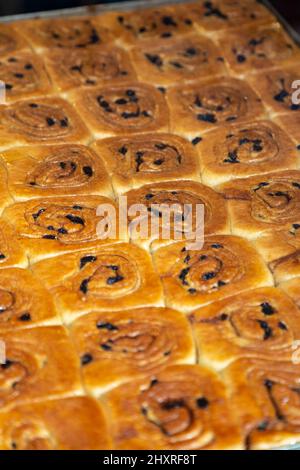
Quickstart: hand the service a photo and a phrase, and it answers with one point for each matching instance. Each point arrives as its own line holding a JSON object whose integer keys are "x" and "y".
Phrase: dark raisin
{"x": 50, "y": 121}
{"x": 107, "y": 326}
{"x": 75, "y": 219}
{"x": 87, "y": 259}
{"x": 202, "y": 402}
{"x": 86, "y": 359}
{"x": 25, "y": 317}
{"x": 87, "y": 170}
{"x": 196, "y": 140}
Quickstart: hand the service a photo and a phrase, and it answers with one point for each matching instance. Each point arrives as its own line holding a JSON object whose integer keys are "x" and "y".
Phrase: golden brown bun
{"x": 225, "y": 266}
{"x": 163, "y": 22}
{"x": 122, "y": 109}
{"x": 179, "y": 193}
{"x": 122, "y": 346}
{"x": 48, "y": 120}
{"x": 184, "y": 407}
{"x": 275, "y": 88}
{"x": 72, "y": 68}
{"x": 281, "y": 250}
{"x": 11, "y": 252}
{"x": 187, "y": 58}
{"x": 46, "y": 171}
{"x": 40, "y": 363}
{"x": 72, "y": 32}
{"x": 263, "y": 202}
{"x": 49, "y": 226}
{"x": 243, "y": 150}
{"x": 106, "y": 278}
{"x": 265, "y": 397}
{"x": 258, "y": 47}
{"x": 291, "y": 124}
{"x": 11, "y": 40}
{"x": 75, "y": 423}
{"x": 222, "y": 15}
{"x": 261, "y": 323}
{"x": 25, "y": 76}
{"x": 206, "y": 104}
{"x": 24, "y": 301}
{"x": 139, "y": 159}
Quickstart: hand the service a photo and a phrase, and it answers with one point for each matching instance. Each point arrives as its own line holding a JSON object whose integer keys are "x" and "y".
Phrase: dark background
{"x": 290, "y": 9}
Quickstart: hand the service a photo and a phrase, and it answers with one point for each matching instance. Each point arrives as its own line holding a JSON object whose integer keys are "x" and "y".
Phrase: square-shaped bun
{"x": 50, "y": 120}
{"x": 11, "y": 41}
{"x": 24, "y": 301}
{"x": 226, "y": 265}
{"x": 258, "y": 47}
{"x": 72, "y": 32}
{"x": 281, "y": 250}
{"x": 264, "y": 395}
{"x": 117, "y": 347}
{"x": 172, "y": 207}
{"x": 139, "y": 159}
{"x": 106, "y": 278}
{"x": 183, "y": 407}
{"x": 263, "y": 202}
{"x": 219, "y": 15}
{"x": 24, "y": 75}
{"x": 46, "y": 171}
{"x": 162, "y": 22}
{"x": 122, "y": 109}
{"x": 291, "y": 124}
{"x": 259, "y": 323}
{"x": 180, "y": 59}
{"x": 40, "y": 363}
{"x": 50, "y": 226}
{"x": 75, "y": 423}
{"x": 88, "y": 67}
{"x": 243, "y": 150}
{"x": 275, "y": 88}
{"x": 206, "y": 104}
{"x": 11, "y": 251}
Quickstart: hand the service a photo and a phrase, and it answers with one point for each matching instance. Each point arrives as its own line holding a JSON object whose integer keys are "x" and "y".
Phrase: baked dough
{"x": 275, "y": 88}
{"x": 46, "y": 171}
{"x": 292, "y": 288}
{"x": 122, "y": 109}
{"x": 24, "y": 301}
{"x": 263, "y": 202}
{"x": 71, "y": 32}
{"x": 258, "y": 47}
{"x": 219, "y": 15}
{"x": 187, "y": 58}
{"x": 5, "y": 197}
{"x": 49, "y": 226}
{"x": 291, "y": 124}
{"x": 11, "y": 252}
{"x": 179, "y": 222}
{"x": 88, "y": 67}
{"x": 225, "y": 266}
{"x": 48, "y": 120}
{"x": 40, "y": 363}
{"x": 24, "y": 75}
{"x": 122, "y": 346}
{"x": 75, "y": 423}
{"x": 265, "y": 397}
{"x": 261, "y": 323}
{"x": 243, "y": 150}
{"x": 162, "y": 22}
{"x": 106, "y": 278}
{"x": 184, "y": 407}
{"x": 139, "y": 159}
{"x": 281, "y": 250}
{"x": 206, "y": 104}
{"x": 11, "y": 40}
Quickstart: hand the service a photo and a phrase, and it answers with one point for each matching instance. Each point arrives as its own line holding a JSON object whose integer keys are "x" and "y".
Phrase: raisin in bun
{"x": 133, "y": 343}
{"x": 183, "y": 407}
{"x": 122, "y": 109}
{"x": 224, "y": 266}
{"x": 53, "y": 170}
{"x": 139, "y": 159}
{"x": 74, "y": 423}
{"x": 104, "y": 278}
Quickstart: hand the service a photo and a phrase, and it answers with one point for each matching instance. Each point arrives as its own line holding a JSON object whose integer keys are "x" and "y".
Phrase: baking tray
{"x": 101, "y": 8}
